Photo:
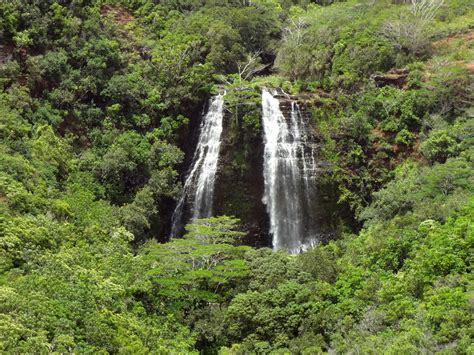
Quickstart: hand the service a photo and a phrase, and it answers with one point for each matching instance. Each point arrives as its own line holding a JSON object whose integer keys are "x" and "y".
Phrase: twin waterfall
{"x": 199, "y": 185}
{"x": 289, "y": 171}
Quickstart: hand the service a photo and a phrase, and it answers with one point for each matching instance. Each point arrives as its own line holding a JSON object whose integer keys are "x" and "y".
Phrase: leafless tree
{"x": 425, "y": 10}
{"x": 290, "y": 59}
{"x": 295, "y": 31}
{"x": 250, "y": 66}
{"x": 411, "y": 31}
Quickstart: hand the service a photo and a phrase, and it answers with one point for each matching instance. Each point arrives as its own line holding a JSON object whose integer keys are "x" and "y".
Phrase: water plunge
{"x": 199, "y": 185}
{"x": 289, "y": 173}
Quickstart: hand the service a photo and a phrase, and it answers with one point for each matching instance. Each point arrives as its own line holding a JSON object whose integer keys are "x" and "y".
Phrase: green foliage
{"x": 391, "y": 294}
{"x": 123, "y": 164}
{"x": 243, "y": 102}
{"x": 78, "y": 300}
{"x": 443, "y": 143}
{"x": 214, "y": 230}
{"x": 317, "y": 46}
{"x": 95, "y": 101}
{"x": 430, "y": 192}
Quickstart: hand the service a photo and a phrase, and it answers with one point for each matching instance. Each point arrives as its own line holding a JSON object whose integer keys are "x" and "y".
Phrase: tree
{"x": 292, "y": 58}
{"x": 136, "y": 216}
{"x": 411, "y": 32}
{"x": 214, "y": 230}
{"x": 250, "y": 67}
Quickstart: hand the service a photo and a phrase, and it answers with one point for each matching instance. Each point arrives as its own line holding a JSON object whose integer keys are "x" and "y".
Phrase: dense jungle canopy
{"x": 100, "y": 105}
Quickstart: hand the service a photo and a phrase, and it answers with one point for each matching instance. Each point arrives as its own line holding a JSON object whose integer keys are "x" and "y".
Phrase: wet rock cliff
{"x": 240, "y": 178}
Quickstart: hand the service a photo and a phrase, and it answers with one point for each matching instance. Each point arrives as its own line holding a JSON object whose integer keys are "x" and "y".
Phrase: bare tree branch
{"x": 250, "y": 66}
{"x": 411, "y": 32}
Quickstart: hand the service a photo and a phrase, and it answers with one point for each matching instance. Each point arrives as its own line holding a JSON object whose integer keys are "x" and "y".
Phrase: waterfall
{"x": 289, "y": 170}
{"x": 199, "y": 185}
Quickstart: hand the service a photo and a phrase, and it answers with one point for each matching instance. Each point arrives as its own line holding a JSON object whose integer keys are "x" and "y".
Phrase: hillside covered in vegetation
{"x": 100, "y": 103}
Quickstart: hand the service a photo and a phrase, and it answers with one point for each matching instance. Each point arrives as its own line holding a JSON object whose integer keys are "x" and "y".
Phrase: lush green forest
{"x": 98, "y": 99}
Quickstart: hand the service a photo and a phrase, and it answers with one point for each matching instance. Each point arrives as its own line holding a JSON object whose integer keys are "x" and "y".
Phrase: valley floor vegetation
{"x": 96, "y": 101}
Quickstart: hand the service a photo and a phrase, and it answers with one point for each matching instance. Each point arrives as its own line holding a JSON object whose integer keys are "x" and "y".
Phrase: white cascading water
{"x": 199, "y": 185}
{"x": 289, "y": 170}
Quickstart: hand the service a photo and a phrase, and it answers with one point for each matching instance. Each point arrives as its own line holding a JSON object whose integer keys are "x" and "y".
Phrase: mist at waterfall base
{"x": 198, "y": 188}
{"x": 289, "y": 173}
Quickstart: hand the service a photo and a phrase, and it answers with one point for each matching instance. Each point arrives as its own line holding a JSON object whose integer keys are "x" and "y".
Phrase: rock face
{"x": 395, "y": 77}
{"x": 239, "y": 180}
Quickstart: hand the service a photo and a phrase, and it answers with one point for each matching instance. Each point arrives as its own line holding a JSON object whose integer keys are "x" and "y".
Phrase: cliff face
{"x": 240, "y": 183}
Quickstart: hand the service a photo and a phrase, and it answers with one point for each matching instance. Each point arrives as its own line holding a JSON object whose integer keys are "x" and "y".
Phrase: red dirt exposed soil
{"x": 469, "y": 66}
{"x": 466, "y": 37}
{"x": 119, "y": 14}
